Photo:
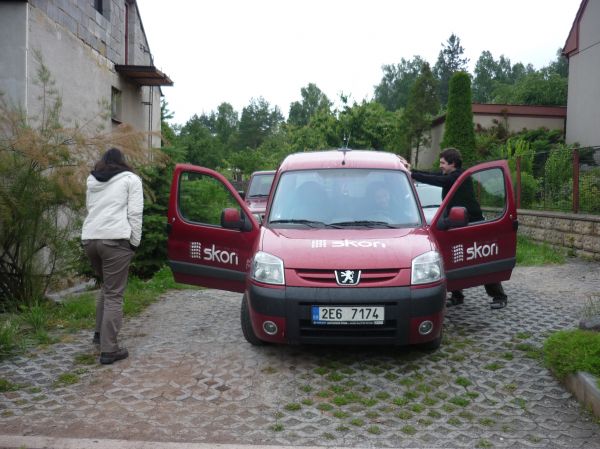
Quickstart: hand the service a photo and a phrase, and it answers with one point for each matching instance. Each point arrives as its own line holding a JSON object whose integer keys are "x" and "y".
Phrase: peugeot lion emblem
{"x": 347, "y": 277}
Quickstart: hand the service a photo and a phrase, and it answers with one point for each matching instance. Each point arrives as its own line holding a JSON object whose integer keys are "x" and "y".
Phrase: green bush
{"x": 458, "y": 131}
{"x": 589, "y": 191}
{"x": 558, "y": 175}
{"x": 567, "y": 352}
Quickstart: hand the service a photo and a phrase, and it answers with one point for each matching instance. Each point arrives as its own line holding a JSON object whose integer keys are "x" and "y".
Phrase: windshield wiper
{"x": 366, "y": 223}
{"x": 430, "y": 205}
{"x": 310, "y": 223}
{"x": 258, "y": 195}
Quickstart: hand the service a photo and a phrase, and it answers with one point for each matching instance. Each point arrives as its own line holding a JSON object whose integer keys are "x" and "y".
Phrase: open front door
{"x": 484, "y": 251}
{"x": 201, "y": 251}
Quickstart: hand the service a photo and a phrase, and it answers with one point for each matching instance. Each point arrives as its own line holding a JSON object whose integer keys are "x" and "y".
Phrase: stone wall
{"x": 577, "y": 232}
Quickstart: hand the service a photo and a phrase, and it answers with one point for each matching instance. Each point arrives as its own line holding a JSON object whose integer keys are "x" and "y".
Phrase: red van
{"x": 258, "y": 192}
{"x": 345, "y": 254}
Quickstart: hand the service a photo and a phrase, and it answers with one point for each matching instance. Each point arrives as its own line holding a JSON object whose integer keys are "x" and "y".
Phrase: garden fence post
{"x": 518, "y": 189}
{"x": 575, "y": 180}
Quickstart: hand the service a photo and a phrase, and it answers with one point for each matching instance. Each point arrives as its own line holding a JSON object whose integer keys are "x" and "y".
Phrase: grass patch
{"x": 567, "y": 352}
{"x": 495, "y": 366}
{"x": 530, "y": 253}
{"x": 463, "y": 382}
{"x": 460, "y": 401}
{"x": 66, "y": 379}
{"x": 487, "y": 422}
{"x": 409, "y": 430}
{"x": 484, "y": 444}
{"x": 357, "y": 422}
{"x": 293, "y": 407}
{"x": 375, "y": 430}
{"x": 9, "y": 334}
{"x": 34, "y": 324}
{"x": 277, "y": 427}
{"x": 6, "y": 385}
{"x": 85, "y": 359}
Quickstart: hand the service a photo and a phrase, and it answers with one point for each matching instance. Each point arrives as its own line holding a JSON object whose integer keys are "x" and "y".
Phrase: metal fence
{"x": 563, "y": 179}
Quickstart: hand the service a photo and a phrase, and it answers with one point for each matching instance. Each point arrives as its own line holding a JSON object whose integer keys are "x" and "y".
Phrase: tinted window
{"x": 260, "y": 185}
{"x": 345, "y": 197}
{"x": 202, "y": 198}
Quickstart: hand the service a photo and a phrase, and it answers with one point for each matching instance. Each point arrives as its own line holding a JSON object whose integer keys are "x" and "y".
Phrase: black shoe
{"x": 499, "y": 303}
{"x": 106, "y": 358}
{"x": 96, "y": 339}
{"x": 455, "y": 301}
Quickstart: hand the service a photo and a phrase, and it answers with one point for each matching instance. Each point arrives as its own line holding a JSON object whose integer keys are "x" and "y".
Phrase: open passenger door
{"x": 211, "y": 231}
{"x": 479, "y": 252}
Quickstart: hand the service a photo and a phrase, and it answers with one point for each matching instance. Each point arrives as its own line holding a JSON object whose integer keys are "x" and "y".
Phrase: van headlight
{"x": 267, "y": 268}
{"x": 427, "y": 268}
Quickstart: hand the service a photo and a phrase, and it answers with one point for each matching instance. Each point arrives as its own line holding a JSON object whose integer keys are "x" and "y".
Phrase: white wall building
{"x": 583, "y": 50}
{"x": 97, "y": 53}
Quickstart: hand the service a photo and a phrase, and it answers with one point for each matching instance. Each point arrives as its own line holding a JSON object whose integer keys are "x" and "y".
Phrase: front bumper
{"x": 290, "y": 308}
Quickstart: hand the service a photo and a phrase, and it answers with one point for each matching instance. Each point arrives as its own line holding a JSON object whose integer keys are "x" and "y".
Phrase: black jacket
{"x": 464, "y": 196}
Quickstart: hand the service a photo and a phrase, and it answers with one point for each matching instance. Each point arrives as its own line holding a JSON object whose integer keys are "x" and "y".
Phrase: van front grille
{"x": 327, "y": 277}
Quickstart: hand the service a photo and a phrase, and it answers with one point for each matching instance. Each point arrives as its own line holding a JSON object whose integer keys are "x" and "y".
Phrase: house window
{"x": 98, "y": 6}
{"x": 115, "y": 105}
{"x": 103, "y": 7}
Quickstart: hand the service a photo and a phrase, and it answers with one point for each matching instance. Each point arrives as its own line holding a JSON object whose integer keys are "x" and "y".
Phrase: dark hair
{"x": 112, "y": 159}
{"x": 452, "y": 156}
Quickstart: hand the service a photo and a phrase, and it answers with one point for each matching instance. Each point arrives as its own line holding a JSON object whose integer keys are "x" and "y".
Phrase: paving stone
{"x": 192, "y": 377}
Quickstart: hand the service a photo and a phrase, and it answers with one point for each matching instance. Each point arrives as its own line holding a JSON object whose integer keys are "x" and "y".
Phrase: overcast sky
{"x": 233, "y": 50}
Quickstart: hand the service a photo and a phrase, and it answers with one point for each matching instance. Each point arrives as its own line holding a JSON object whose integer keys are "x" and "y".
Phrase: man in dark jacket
{"x": 451, "y": 169}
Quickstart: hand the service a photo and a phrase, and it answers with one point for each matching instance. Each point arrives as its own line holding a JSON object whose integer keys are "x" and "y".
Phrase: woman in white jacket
{"x": 111, "y": 232}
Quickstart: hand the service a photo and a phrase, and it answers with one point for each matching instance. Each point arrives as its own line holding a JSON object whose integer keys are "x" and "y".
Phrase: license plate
{"x": 347, "y": 315}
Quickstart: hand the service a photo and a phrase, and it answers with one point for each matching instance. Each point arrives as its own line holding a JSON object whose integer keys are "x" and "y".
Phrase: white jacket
{"x": 115, "y": 208}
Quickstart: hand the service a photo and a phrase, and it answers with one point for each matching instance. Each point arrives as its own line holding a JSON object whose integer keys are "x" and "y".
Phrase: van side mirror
{"x": 231, "y": 219}
{"x": 457, "y": 218}
{"x": 242, "y": 194}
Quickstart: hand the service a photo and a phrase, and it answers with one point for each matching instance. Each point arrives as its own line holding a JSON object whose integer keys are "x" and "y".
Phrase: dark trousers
{"x": 494, "y": 290}
{"x": 110, "y": 260}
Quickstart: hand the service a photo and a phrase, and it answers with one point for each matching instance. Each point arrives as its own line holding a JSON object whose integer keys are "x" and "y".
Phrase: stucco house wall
{"x": 515, "y": 117}
{"x": 80, "y": 46}
{"x": 583, "y": 50}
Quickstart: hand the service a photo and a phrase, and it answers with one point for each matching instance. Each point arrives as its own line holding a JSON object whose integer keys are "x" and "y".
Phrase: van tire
{"x": 247, "y": 330}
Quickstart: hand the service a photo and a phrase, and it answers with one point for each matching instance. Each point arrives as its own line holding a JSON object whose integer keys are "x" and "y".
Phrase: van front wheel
{"x": 247, "y": 330}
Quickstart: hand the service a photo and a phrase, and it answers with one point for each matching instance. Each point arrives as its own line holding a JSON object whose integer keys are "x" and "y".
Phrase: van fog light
{"x": 425, "y": 327}
{"x": 270, "y": 327}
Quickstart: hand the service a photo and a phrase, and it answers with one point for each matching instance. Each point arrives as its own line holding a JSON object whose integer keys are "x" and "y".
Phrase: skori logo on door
{"x": 347, "y": 277}
{"x": 476, "y": 251}
{"x": 212, "y": 254}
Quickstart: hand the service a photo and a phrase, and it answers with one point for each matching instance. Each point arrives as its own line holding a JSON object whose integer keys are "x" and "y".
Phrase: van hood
{"x": 356, "y": 248}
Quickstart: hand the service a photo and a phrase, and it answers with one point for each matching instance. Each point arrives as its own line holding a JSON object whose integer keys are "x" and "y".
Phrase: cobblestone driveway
{"x": 192, "y": 377}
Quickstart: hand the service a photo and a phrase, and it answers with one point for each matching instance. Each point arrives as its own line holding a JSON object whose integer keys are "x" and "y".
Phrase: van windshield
{"x": 344, "y": 198}
{"x": 260, "y": 185}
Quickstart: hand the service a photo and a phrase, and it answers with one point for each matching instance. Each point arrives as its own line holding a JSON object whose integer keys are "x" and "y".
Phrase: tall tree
{"x": 458, "y": 130}
{"x": 486, "y": 70}
{"x": 226, "y": 123}
{"x": 449, "y": 61}
{"x": 313, "y": 100}
{"x": 393, "y": 90}
{"x": 422, "y": 104}
{"x": 257, "y": 122}
{"x": 199, "y": 143}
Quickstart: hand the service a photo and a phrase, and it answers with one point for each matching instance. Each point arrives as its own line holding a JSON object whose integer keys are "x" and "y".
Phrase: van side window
{"x": 202, "y": 198}
{"x": 483, "y": 194}
{"x": 490, "y": 191}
